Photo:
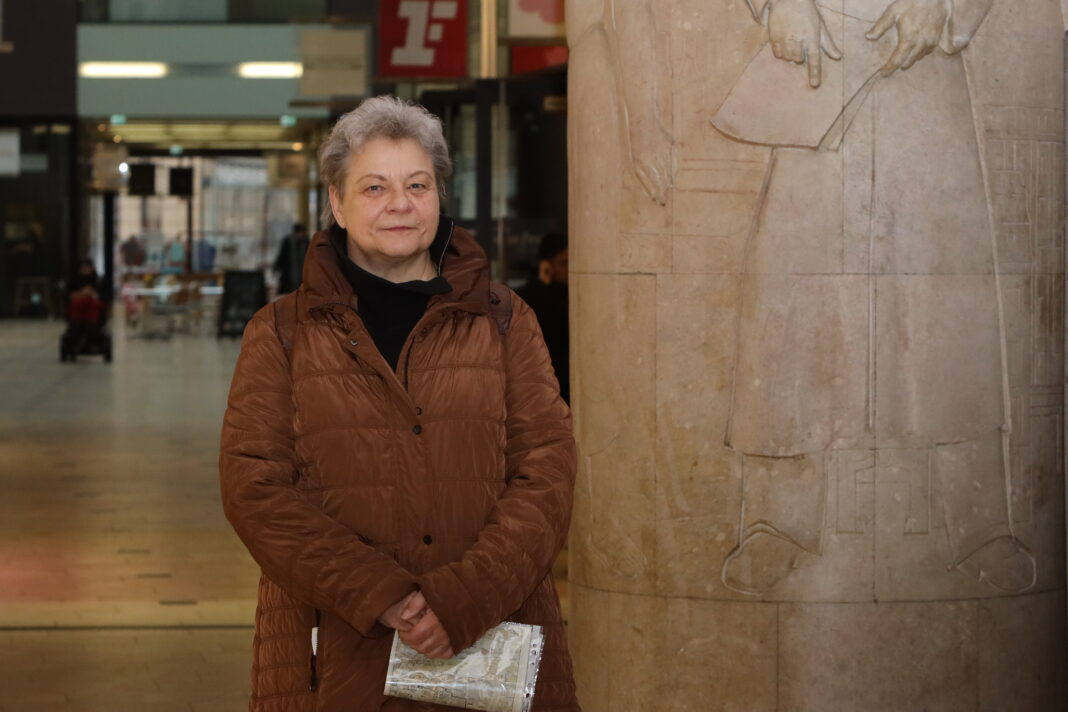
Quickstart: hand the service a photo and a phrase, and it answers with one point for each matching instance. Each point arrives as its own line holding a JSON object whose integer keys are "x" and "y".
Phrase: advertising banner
{"x": 536, "y": 18}
{"x": 422, "y": 38}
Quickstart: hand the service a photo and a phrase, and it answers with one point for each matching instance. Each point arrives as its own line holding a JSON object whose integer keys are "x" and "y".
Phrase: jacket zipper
{"x": 407, "y": 358}
{"x": 313, "y": 684}
{"x": 441, "y": 264}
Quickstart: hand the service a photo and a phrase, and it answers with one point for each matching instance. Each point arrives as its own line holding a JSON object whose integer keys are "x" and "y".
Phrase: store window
{"x": 242, "y": 207}
{"x": 35, "y": 219}
{"x": 93, "y": 11}
{"x": 168, "y": 10}
{"x": 238, "y": 11}
{"x": 276, "y": 10}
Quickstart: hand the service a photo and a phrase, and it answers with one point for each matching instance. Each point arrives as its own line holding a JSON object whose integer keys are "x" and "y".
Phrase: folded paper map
{"x": 496, "y": 674}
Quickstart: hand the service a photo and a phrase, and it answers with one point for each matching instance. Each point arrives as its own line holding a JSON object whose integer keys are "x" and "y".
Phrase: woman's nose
{"x": 400, "y": 201}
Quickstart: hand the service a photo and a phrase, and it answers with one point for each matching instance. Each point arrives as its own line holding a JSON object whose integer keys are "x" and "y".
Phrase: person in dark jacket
{"x": 396, "y": 458}
{"x": 86, "y": 314}
{"x": 86, "y": 292}
{"x": 289, "y": 263}
{"x": 546, "y": 293}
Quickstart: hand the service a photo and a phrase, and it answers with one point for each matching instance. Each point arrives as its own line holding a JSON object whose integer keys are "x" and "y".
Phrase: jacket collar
{"x": 363, "y": 281}
{"x": 462, "y": 262}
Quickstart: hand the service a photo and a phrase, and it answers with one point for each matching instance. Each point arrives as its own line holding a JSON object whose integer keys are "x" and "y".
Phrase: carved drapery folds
{"x": 818, "y": 313}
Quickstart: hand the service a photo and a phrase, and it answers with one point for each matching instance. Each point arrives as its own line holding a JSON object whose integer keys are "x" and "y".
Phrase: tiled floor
{"x": 120, "y": 670}
{"x": 121, "y": 585}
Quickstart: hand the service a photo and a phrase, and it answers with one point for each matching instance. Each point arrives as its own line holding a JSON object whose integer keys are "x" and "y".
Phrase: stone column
{"x": 817, "y": 314}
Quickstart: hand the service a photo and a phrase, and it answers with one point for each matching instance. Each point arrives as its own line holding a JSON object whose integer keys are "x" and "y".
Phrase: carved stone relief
{"x": 818, "y": 299}
{"x": 850, "y": 337}
{"x": 870, "y": 241}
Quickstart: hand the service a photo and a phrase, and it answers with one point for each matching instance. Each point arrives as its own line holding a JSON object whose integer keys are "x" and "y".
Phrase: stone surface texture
{"x": 818, "y": 318}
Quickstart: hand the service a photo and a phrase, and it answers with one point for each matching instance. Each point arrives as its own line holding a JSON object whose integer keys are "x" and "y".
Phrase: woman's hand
{"x": 403, "y": 614}
{"x": 798, "y": 34}
{"x": 427, "y": 635}
{"x": 920, "y": 24}
{"x": 419, "y": 628}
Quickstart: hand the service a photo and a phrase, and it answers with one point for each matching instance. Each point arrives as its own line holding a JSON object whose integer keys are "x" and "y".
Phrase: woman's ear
{"x": 335, "y": 207}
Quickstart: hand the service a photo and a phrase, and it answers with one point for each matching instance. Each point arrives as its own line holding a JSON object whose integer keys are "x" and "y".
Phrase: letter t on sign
{"x": 4, "y": 46}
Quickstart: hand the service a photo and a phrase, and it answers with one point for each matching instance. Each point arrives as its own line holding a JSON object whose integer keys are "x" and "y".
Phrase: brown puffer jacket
{"x": 352, "y": 485}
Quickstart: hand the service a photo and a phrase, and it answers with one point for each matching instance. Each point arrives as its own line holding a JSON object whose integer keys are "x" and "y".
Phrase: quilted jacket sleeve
{"x": 527, "y": 527}
{"x": 298, "y": 546}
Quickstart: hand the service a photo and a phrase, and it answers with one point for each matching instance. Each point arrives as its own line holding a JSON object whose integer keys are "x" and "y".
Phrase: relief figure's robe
{"x": 871, "y": 315}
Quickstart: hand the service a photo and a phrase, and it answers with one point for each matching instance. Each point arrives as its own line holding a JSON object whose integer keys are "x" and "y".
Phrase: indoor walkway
{"x": 122, "y": 586}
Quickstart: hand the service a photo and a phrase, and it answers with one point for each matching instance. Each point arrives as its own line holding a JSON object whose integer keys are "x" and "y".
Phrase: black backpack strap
{"x": 285, "y": 321}
{"x": 501, "y": 306}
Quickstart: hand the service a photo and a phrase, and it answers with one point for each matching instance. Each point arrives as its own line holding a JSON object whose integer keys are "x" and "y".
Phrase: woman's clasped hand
{"x": 418, "y": 627}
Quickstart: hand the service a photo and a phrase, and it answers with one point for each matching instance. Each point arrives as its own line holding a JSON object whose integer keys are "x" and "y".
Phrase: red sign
{"x": 422, "y": 38}
{"x": 531, "y": 59}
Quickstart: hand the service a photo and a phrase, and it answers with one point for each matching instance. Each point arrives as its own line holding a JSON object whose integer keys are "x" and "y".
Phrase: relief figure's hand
{"x": 798, "y": 34}
{"x": 653, "y": 162}
{"x": 919, "y": 23}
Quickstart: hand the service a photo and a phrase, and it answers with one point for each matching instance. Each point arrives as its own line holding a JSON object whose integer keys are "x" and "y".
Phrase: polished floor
{"x": 121, "y": 585}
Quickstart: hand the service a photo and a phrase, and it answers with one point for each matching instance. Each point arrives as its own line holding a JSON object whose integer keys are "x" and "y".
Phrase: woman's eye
{"x": 418, "y": 186}
{"x": 374, "y": 189}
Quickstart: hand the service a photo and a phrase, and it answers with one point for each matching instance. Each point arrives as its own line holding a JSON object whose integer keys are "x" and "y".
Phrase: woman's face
{"x": 390, "y": 204}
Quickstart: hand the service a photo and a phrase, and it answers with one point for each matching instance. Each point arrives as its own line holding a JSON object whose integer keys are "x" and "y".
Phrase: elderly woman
{"x": 395, "y": 454}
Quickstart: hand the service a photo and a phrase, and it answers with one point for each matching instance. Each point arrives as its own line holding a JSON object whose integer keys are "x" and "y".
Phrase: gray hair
{"x": 381, "y": 117}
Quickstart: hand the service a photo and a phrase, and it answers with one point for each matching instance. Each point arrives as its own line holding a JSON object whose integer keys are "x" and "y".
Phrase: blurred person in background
{"x": 395, "y": 453}
{"x": 133, "y": 253}
{"x": 87, "y": 311}
{"x": 174, "y": 256}
{"x": 289, "y": 264}
{"x": 85, "y": 304}
{"x": 203, "y": 255}
{"x": 546, "y": 293}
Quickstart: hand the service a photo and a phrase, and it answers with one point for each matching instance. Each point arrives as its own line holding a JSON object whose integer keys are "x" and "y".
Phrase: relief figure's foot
{"x": 1004, "y": 563}
{"x": 764, "y": 557}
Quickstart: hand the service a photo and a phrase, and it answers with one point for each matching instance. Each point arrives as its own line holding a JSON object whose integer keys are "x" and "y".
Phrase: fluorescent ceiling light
{"x": 119, "y": 70}
{"x": 270, "y": 70}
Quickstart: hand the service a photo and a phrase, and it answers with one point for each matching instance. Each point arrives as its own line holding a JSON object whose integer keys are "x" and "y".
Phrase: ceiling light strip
{"x": 123, "y": 70}
{"x": 270, "y": 70}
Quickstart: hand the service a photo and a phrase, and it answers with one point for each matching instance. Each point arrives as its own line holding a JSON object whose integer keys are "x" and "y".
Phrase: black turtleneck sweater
{"x": 390, "y": 310}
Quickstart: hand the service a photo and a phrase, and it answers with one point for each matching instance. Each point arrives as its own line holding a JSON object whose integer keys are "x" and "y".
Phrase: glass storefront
{"x": 36, "y": 224}
{"x": 507, "y": 138}
{"x": 220, "y": 10}
{"x": 240, "y": 210}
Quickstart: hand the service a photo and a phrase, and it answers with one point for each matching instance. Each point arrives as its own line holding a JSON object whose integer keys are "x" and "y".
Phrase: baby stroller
{"x": 86, "y": 329}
